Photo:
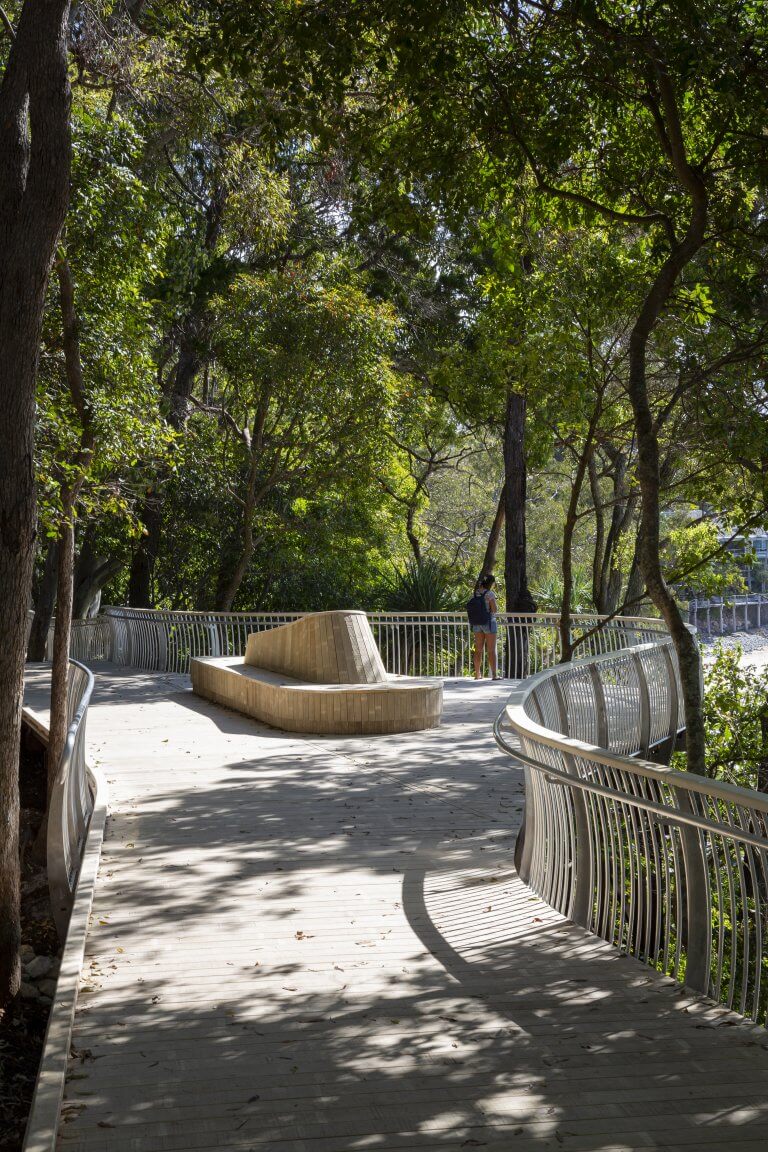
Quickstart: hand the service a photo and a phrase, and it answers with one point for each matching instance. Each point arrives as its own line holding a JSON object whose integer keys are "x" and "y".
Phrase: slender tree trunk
{"x": 492, "y": 547}
{"x": 647, "y": 431}
{"x": 231, "y": 588}
{"x": 571, "y": 520}
{"x": 34, "y": 188}
{"x": 599, "y": 542}
{"x": 762, "y": 766}
{"x": 606, "y": 572}
{"x": 62, "y": 635}
{"x": 410, "y": 531}
{"x": 227, "y": 597}
{"x": 583, "y": 463}
{"x": 141, "y": 578}
{"x": 635, "y": 585}
{"x": 44, "y": 606}
{"x": 518, "y": 596}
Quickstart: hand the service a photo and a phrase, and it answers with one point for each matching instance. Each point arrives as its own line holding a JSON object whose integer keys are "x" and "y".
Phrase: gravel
{"x": 754, "y": 646}
{"x": 748, "y": 641}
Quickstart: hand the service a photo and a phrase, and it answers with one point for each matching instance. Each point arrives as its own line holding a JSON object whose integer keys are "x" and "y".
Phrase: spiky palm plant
{"x": 422, "y": 586}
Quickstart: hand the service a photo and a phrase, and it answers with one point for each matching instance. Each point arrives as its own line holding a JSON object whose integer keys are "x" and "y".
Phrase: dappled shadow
{"x": 322, "y": 943}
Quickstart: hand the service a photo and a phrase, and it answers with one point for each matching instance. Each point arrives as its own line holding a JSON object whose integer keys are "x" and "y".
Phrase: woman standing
{"x": 482, "y": 609}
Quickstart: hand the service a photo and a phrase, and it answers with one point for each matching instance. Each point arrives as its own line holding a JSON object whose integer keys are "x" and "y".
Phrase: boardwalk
{"x": 321, "y": 945}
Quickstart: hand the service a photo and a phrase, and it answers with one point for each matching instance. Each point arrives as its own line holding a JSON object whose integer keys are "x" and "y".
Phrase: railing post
{"x": 601, "y": 712}
{"x": 666, "y": 749}
{"x": 526, "y": 837}
{"x": 562, "y": 708}
{"x": 698, "y": 917}
{"x": 582, "y": 863}
{"x": 645, "y": 704}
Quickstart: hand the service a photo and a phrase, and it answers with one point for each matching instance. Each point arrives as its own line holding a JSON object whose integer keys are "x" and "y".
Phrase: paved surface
{"x": 321, "y": 945}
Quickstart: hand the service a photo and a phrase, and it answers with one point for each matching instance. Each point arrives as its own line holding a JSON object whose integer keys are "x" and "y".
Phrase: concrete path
{"x": 321, "y": 945}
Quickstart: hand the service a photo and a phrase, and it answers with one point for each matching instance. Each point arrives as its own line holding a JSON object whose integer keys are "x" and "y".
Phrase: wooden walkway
{"x": 306, "y": 944}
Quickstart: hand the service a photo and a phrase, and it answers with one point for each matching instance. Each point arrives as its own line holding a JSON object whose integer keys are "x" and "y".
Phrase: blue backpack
{"x": 477, "y": 608}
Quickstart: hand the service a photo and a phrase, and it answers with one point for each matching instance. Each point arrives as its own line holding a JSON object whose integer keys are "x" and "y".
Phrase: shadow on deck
{"x": 305, "y": 943}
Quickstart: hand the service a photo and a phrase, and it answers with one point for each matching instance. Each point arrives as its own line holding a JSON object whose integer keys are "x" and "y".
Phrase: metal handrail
{"x": 72, "y": 800}
{"x": 415, "y": 643}
{"x": 670, "y": 867}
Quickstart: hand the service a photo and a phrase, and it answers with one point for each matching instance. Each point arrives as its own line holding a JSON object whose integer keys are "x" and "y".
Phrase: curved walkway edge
{"x": 43, "y": 1123}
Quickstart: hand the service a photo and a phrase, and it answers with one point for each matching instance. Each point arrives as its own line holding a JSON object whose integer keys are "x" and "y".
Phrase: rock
{"x": 40, "y": 966}
{"x": 27, "y": 953}
{"x": 47, "y": 987}
{"x": 28, "y": 991}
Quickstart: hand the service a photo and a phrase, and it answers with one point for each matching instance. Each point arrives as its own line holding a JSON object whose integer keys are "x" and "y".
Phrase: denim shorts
{"x": 486, "y": 629}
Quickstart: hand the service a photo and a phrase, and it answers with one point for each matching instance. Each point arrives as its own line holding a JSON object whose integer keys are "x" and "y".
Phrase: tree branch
{"x": 5, "y": 21}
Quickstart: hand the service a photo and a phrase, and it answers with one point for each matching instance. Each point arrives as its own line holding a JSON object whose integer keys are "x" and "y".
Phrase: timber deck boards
{"x": 320, "y": 944}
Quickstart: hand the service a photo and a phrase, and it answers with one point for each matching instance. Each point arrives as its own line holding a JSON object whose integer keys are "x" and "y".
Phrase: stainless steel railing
{"x": 670, "y": 867}
{"x": 412, "y": 643}
{"x": 72, "y": 800}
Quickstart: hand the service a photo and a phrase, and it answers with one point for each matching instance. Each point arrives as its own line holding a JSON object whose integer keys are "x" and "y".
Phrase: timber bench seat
{"x": 321, "y": 674}
{"x": 402, "y": 704}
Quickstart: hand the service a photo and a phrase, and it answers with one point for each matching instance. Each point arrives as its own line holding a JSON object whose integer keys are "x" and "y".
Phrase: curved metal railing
{"x": 670, "y": 867}
{"x": 411, "y": 643}
{"x": 72, "y": 800}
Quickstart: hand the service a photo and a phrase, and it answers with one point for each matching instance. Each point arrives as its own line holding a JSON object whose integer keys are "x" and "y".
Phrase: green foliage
{"x": 422, "y": 586}
{"x": 548, "y": 593}
{"x": 736, "y": 719}
{"x": 697, "y": 561}
{"x": 316, "y": 246}
{"x": 115, "y": 237}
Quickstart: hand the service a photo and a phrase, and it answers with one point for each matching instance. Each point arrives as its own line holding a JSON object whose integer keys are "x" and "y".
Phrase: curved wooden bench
{"x": 322, "y": 673}
{"x": 399, "y": 704}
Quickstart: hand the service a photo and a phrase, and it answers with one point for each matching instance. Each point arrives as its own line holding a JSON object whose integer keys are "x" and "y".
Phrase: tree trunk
{"x": 606, "y": 574}
{"x": 489, "y": 560}
{"x": 410, "y": 531}
{"x": 585, "y": 461}
{"x": 571, "y": 520}
{"x": 58, "y": 722}
{"x": 518, "y": 596}
{"x": 225, "y": 598}
{"x": 141, "y": 578}
{"x": 34, "y": 188}
{"x": 92, "y": 572}
{"x": 598, "y": 557}
{"x": 635, "y": 585}
{"x": 762, "y": 765}
{"x": 37, "y": 648}
{"x": 62, "y": 634}
{"x": 646, "y": 430}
